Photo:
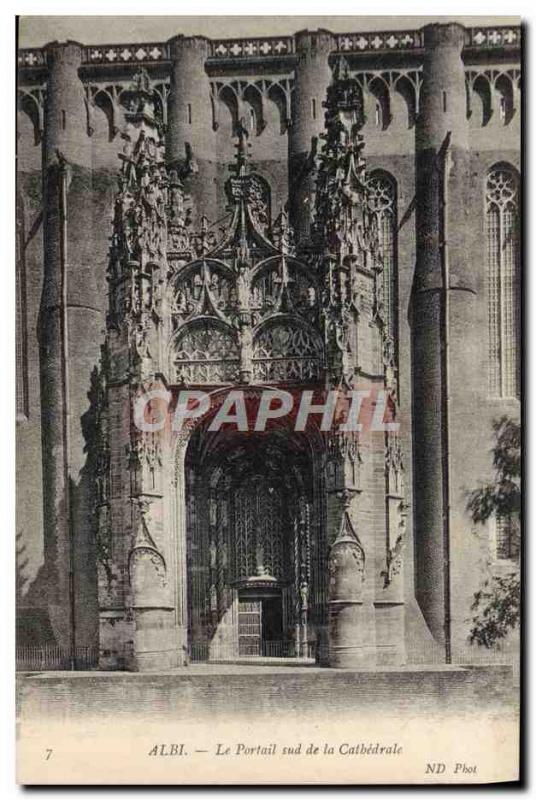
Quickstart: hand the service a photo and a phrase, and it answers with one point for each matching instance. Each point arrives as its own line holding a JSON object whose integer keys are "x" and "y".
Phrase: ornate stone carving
{"x": 282, "y": 286}
{"x": 394, "y": 556}
{"x": 394, "y": 464}
{"x": 204, "y": 353}
{"x": 246, "y": 278}
{"x": 144, "y": 553}
{"x": 344, "y": 230}
{"x": 204, "y": 288}
{"x": 137, "y": 263}
{"x": 283, "y": 235}
{"x": 286, "y": 351}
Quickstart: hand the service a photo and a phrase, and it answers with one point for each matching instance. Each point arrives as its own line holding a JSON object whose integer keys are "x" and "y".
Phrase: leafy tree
{"x": 497, "y": 603}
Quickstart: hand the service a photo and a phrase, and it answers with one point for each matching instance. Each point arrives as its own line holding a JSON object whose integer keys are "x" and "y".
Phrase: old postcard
{"x": 268, "y": 400}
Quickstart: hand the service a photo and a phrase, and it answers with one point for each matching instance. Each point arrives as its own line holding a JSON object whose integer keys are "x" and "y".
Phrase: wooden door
{"x": 249, "y": 627}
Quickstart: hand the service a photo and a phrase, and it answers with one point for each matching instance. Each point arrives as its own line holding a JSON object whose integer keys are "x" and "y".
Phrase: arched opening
{"x": 481, "y": 105}
{"x": 29, "y": 105}
{"x": 229, "y": 101}
{"x": 255, "y": 121}
{"x": 505, "y": 98}
{"x": 382, "y": 106}
{"x": 103, "y": 101}
{"x": 254, "y": 546}
{"x": 405, "y": 89}
{"x": 277, "y": 97}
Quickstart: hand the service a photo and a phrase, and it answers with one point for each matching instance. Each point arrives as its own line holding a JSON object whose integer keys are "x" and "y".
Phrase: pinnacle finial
{"x": 341, "y": 69}
{"x": 141, "y": 81}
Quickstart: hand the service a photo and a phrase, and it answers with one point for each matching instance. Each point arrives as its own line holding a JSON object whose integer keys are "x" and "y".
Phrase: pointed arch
{"x": 379, "y": 90}
{"x": 406, "y": 89}
{"x": 105, "y": 103}
{"x": 280, "y": 283}
{"x": 29, "y": 105}
{"x": 229, "y": 100}
{"x": 253, "y": 101}
{"x": 279, "y": 98}
{"x": 503, "y": 279}
{"x": 205, "y": 287}
{"x": 504, "y": 91}
{"x": 482, "y": 107}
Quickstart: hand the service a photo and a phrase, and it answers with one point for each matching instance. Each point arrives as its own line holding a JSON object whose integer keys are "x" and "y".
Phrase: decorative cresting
{"x": 345, "y": 237}
{"x": 242, "y": 307}
{"x": 118, "y": 55}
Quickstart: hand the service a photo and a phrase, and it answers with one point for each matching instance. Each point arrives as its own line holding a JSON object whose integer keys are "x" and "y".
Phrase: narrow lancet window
{"x": 502, "y": 252}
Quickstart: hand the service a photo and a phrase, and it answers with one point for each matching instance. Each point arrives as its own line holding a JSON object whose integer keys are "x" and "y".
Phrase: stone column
{"x": 350, "y": 563}
{"x": 70, "y": 331}
{"x": 442, "y": 195}
{"x": 312, "y": 78}
{"x": 191, "y": 142}
{"x": 351, "y": 621}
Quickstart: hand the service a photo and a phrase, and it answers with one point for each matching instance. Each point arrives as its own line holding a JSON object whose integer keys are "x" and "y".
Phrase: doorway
{"x": 254, "y": 550}
{"x": 260, "y": 624}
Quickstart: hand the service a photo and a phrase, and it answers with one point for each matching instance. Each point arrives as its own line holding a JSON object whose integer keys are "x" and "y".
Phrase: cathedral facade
{"x": 274, "y": 229}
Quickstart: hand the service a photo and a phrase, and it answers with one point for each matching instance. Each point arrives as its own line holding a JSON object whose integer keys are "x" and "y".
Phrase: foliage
{"x": 503, "y": 496}
{"x": 497, "y": 603}
{"x": 498, "y": 607}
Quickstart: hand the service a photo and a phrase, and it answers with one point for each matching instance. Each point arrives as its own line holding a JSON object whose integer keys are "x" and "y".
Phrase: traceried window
{"x": 382, "y": 200}
{"x": 287, "y": 351}
{"x": 259, "y": 532}
{"x": 502, "y": 253}
{"x": 506, "y": 538}
{"x": 205, "y": 353}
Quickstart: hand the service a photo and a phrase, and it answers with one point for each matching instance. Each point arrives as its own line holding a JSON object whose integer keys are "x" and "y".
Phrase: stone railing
{"x": 376, "y": 42}
{"x": 252, "y": 48}
{"x": 31, "y": 57}
{"x": 482, "y": 38}
{"x": 126, "y": 53}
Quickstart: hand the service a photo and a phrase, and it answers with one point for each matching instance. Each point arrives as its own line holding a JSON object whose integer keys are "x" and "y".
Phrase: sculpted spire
{"x": 343, "y": 222}
{"x": 250, "y": 222}
{"x": 344, "y": 233}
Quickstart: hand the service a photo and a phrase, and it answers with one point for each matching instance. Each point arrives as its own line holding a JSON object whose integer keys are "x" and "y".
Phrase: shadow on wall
{"x": 40, "y": 614}
{"x": 33, "y": 622}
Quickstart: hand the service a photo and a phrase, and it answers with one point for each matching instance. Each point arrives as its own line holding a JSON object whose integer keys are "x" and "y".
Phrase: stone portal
{"x": 255, "y": 552}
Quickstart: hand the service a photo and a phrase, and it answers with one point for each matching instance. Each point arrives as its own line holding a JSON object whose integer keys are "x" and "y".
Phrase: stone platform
{"x": 249, "y": 724}
{"x": 236, "y": 690}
